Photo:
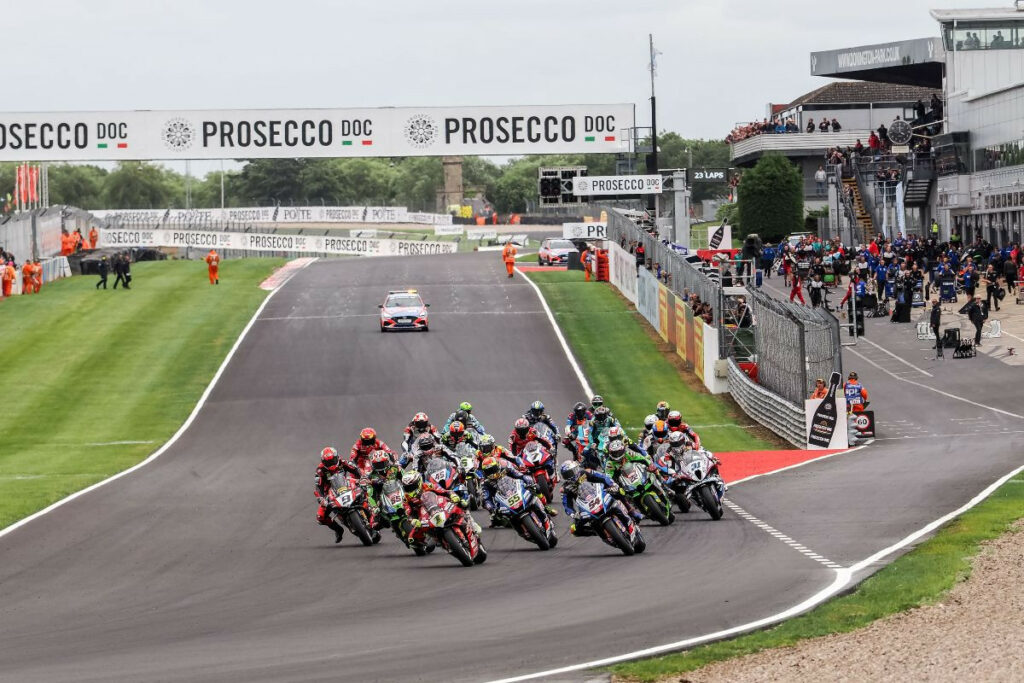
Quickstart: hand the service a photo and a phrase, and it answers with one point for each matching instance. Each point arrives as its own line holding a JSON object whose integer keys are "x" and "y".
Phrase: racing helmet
{"x": 649, "y": 421}
{"x": 597, "y": 401}
{"x": 615, "y": 433}
{"x": 571, "y": 471}
{"x": 660, "y": 430}
{"x": 616, "y": 450}
{"x": 536, "y": 409}
{"x": 368, "y": 437}
{"x": 676, "y": 439}
{"x": 491, "y": 467}
{"x": 662, "y": 410}
{"x": 462, "y": 416}
{"x": 486, "y": 444}
{"x": 601, "y": 415}
{"x": 579, "y": 411}
{"x": 456, "y": 429}
{"x": 426, "y": 443}
{"x": 853, "y": 375}
{"x": 412, "y": 483}
{"x": 420, "y": 421}
{"x": 522, "y": 427}
{"x": 329, "y": 458}
{"x": 467, "y": 406}
{"x": 675, "y": 419}
{"x": 380, "y": 461}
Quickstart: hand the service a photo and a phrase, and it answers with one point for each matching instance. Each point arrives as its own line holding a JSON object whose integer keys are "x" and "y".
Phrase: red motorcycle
{"x": 539, "y": 463}
{"x": 450, "y": 527}
{"x": 349, "y": 506}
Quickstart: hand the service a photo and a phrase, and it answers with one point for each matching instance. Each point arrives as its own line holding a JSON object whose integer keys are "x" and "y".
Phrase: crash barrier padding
{"x": 965, "y": 349}
{"x": 780, "y": 416}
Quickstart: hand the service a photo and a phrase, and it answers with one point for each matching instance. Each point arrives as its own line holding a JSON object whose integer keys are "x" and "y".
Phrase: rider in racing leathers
{"x": 493, "y": 470}
{"x": 617, "y": 433}
{"x": 648, "y": 428}
{"x": 361, "y": 451}
{"x": 602, "y": 421}
{"x": 487, "y": 447}
{"x": 662, "y": 410}
{"x": 469, "y": 423}
{"x": 415, "y": 487}
{"x": 522, "y": 434}
{"x": 382, "y": 468}
{"x": 675, "y": 424}
{"x": 329, "y": 465}
{"x": 456, "y": 434}
{"x": 536, "y": 414}
{"x": 573, "y": 474}
{"x": 418, "y": 426}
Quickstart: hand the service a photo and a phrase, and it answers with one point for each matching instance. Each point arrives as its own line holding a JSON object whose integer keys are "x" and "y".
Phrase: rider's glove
{"x": 455, "y": 499}
{"x": 416, "y": 524}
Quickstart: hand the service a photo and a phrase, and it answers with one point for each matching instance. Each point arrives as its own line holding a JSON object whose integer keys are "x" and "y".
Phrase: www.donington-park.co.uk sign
{"x": 304, "y": 133}
{"x": 252, "y": 241}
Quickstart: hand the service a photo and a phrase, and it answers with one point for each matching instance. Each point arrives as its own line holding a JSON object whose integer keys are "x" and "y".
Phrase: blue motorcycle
{"x": 600, "y": 515}
{"x": 516, "y": 505}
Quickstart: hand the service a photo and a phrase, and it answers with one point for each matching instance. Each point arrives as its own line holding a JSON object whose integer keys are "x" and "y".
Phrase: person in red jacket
{"x": 522, "y": 434}
{"x": 213, "y": 266}
{"x": 362, "y": 450}
{"x": 330, "y": 464}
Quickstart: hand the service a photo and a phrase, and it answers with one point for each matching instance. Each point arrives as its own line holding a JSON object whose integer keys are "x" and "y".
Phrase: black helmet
{"x": 597, "y": 401}
{"x": 536, "y": 409}
{"x": 853, "y": 375}
{"x": 662, "y": 410}
{"x": 579, "y": 410}
{"x": 462, "y": 416}
{"x": 426, "y": 443}
{"x": 601, "y": 415}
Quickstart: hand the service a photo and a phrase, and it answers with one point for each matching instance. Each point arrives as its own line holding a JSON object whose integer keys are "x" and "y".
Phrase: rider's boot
{"x": 339, "y": 531}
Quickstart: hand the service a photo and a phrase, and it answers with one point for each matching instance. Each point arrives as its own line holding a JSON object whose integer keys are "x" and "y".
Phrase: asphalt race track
{"x": 208, "y": 563}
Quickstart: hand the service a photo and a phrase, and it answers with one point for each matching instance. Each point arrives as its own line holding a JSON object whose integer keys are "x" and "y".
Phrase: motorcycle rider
{"x": 382, "y": 468}
{"x": 522, "y": 434}
{"x": 426, "y": 449}
{"x": 487, "y": 447}
{"x": 418, "y": 426}
{"x": 617, "y": 433}
{"x": 470, "y": 423}
{"x": 414, "y": 488}
{"x": 361, "y": 451}
{"x": 648, "y": 427}
{"x": 493, "y": 470}
{"x": 662, "y": 411}
{"x": 617, "y": 456}
{"x": 457, "y": 434}
{"x": 602, "y": 421}
{"x": 536, "y": 414}
{"x": 579, "y": 416}
{"x": 573, "y": 474}
{"x": 675, "y": 424}
{"x": 329, "y": 465}
{"x": 856, "y": 394}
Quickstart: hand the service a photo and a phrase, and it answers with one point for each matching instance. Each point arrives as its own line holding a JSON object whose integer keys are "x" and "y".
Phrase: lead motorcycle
{"x": 516, "y": 506}
{"x": 350, "y": 507}
{"x": 601, "y": 515}
{"x": 539, "y": 463}
{"x": 704, "y": 486}
{"x": 646, "y": 493}
{"x": 447, "y": 523}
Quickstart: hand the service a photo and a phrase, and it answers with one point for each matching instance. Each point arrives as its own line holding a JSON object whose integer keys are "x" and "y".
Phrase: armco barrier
{"x": 782, "y": 417}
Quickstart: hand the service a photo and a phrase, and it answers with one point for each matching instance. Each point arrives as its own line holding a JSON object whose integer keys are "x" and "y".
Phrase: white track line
{"x": 887, "y": 351}
{"x": 561, "y": 338}
{"x": 177, "y": 435}
{"x": 803, "y": 550}
{"x": 842, "y": 579}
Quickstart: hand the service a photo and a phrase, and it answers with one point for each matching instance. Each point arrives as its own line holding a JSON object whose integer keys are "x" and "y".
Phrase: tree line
{"x": 413, "y": 182}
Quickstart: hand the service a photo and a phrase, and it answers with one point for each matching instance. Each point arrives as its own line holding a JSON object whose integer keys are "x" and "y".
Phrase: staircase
{"x": 916, "y": 191}
{"x": 867, "y": 226}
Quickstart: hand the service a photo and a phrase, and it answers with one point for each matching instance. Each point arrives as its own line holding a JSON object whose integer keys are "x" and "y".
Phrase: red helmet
{"x": 675, "y": 419}
{"x": 380, "y": 461}
{"x": 329, "y": 458}
{"x": 522, "y": 427}
{"x": 368, "y": 437}
{"x": 456, "y": 429}
{"x": 420, "y": 421}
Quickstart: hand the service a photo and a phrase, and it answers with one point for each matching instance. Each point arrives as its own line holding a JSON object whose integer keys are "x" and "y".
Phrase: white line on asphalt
{"x": 181, "y": 430}
{"x": 561, "y": 338}
{"x": 937, "y": 391}
{"x": 887, "y": 351}
{"x": 803, "y": 550}
{"x": 844, "y": 576}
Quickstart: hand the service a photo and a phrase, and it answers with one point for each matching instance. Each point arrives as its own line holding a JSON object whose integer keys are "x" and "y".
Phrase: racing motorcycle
{"x": 447, "y": 523}
{"x": 544, "y": 431}
{"x": 704, "y": 485}
{"x": 395, "y": 512}
{"x": 466, "y": 456}
{"x": 669, "y": 463}
{"x": 599, "y": 514}
{"x": 539, "y": 463}
{"x": 646, "y": 493}
{"x": 350, "y": 507}
{"x": 515, "y": 503}
{"x": 446, "y": 475}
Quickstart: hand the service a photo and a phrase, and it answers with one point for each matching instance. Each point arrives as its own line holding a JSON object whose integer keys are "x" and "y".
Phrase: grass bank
{"x": 625, "y": 361}
{"x": 99, "y": 379}
{"x": 917, "y": 578}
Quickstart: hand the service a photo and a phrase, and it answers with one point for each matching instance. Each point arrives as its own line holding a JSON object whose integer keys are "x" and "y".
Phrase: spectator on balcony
{"x": 874, "y": 144}
{"x": 858, "y": 148}
{"x": 936, "y": 107}
{"x": 883, "y": 134}
{"x": 810, "y": 125}
{"x": 919, "y": 112}
{"x": 791, "y": 126}
{"x": 823, "y": 125}
{"x": 835, "y": 125}
{"x": 819, "y": 181}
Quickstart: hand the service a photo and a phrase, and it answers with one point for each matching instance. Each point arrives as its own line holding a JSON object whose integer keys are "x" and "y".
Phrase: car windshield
{"x": 403, "y": 301}
{"x": 561, "y": 244}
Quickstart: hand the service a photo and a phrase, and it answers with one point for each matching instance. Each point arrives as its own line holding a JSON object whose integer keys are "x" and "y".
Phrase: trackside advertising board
{"x": 617, "y": 184}
{"x": 305, "y": 133}
{"x": 622, "y": 271}
{"x": 253, "y": 241}
{"x": 585, "y": 231}
{"x": 277, "y": 214}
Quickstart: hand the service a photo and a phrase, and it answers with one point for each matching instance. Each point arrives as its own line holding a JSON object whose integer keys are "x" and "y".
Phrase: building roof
{"x": 855, "y": 92}
{"x": 979, "y": 14}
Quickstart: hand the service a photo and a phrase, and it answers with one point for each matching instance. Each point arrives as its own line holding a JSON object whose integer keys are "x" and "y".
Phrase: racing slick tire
{"x": 358, "y": 527}
{"x": 534, "y": 533}
{"x": 654, "y": 510}
{"x": 454, "y": 545}
{"x": 712, "y": 505}
{"x": 618, "y": 538}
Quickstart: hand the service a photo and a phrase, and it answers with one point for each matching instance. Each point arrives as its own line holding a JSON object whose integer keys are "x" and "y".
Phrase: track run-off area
{"x": 207, "y": 564}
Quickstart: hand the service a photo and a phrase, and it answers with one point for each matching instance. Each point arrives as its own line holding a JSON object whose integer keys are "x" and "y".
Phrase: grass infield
{"x": 628, "y": 364}
{"x": 920, "y": 577}
{"x": 98, "y": 380}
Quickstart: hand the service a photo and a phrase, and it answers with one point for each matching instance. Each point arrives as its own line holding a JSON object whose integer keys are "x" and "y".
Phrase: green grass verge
{"x": 917, "y": 578}
{"x": 527, "y": 258}
{"x": 630, "y": 368}
{"x": 88, "y": 367}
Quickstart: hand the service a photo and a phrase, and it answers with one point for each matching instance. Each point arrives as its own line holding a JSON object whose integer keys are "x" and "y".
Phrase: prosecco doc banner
{"x": 253, "y": 241}
{"x": 301, "y": 133}
{"x": 277, "y": 214}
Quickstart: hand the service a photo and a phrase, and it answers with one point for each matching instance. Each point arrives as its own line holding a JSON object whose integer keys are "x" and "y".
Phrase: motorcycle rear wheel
{"x": 544, "y": 488}
{"x": 617, "y": 537}
{"x": 358, "y": 527}
{"x": 534, "y": 534}
{"x": 654, "y": 509}
{"x": 455, "y": 548}
{"x": 712, "y": 505}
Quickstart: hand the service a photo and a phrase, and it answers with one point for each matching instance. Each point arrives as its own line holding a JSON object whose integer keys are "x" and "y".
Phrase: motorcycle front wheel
{"x": 455, "y": 548}
{"x": 358, "y": 527}
{"x": 655, "y": 509}
{"x": 616, "y": 536}
{"x": 712, "y": 505}
{"x": 533, "y": 532}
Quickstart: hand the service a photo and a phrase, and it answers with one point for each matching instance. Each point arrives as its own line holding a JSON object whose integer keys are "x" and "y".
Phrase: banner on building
{"x": 253, "y": 241}
{"x": 308, "y": 133}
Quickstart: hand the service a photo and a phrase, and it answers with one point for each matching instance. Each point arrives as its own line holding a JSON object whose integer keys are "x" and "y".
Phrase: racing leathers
{"x": 517, "y": 443}
{"x": 472, "y": 423}
{"x": 450, "y": 442}
{"x": 543, "y": 418}
{"x": 359, "y": 456}
{"x": 321, "y": 485}
{"x": 688, "y": 432}
{"x": 488, "y": 487}
{"x": 571, "y": 488}
{"x": 417, "y": 514}
{"x": 412, "y": 433}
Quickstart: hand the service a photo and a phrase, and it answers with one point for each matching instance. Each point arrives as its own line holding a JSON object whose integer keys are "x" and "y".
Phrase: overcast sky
{"x": 722, "y": 60}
